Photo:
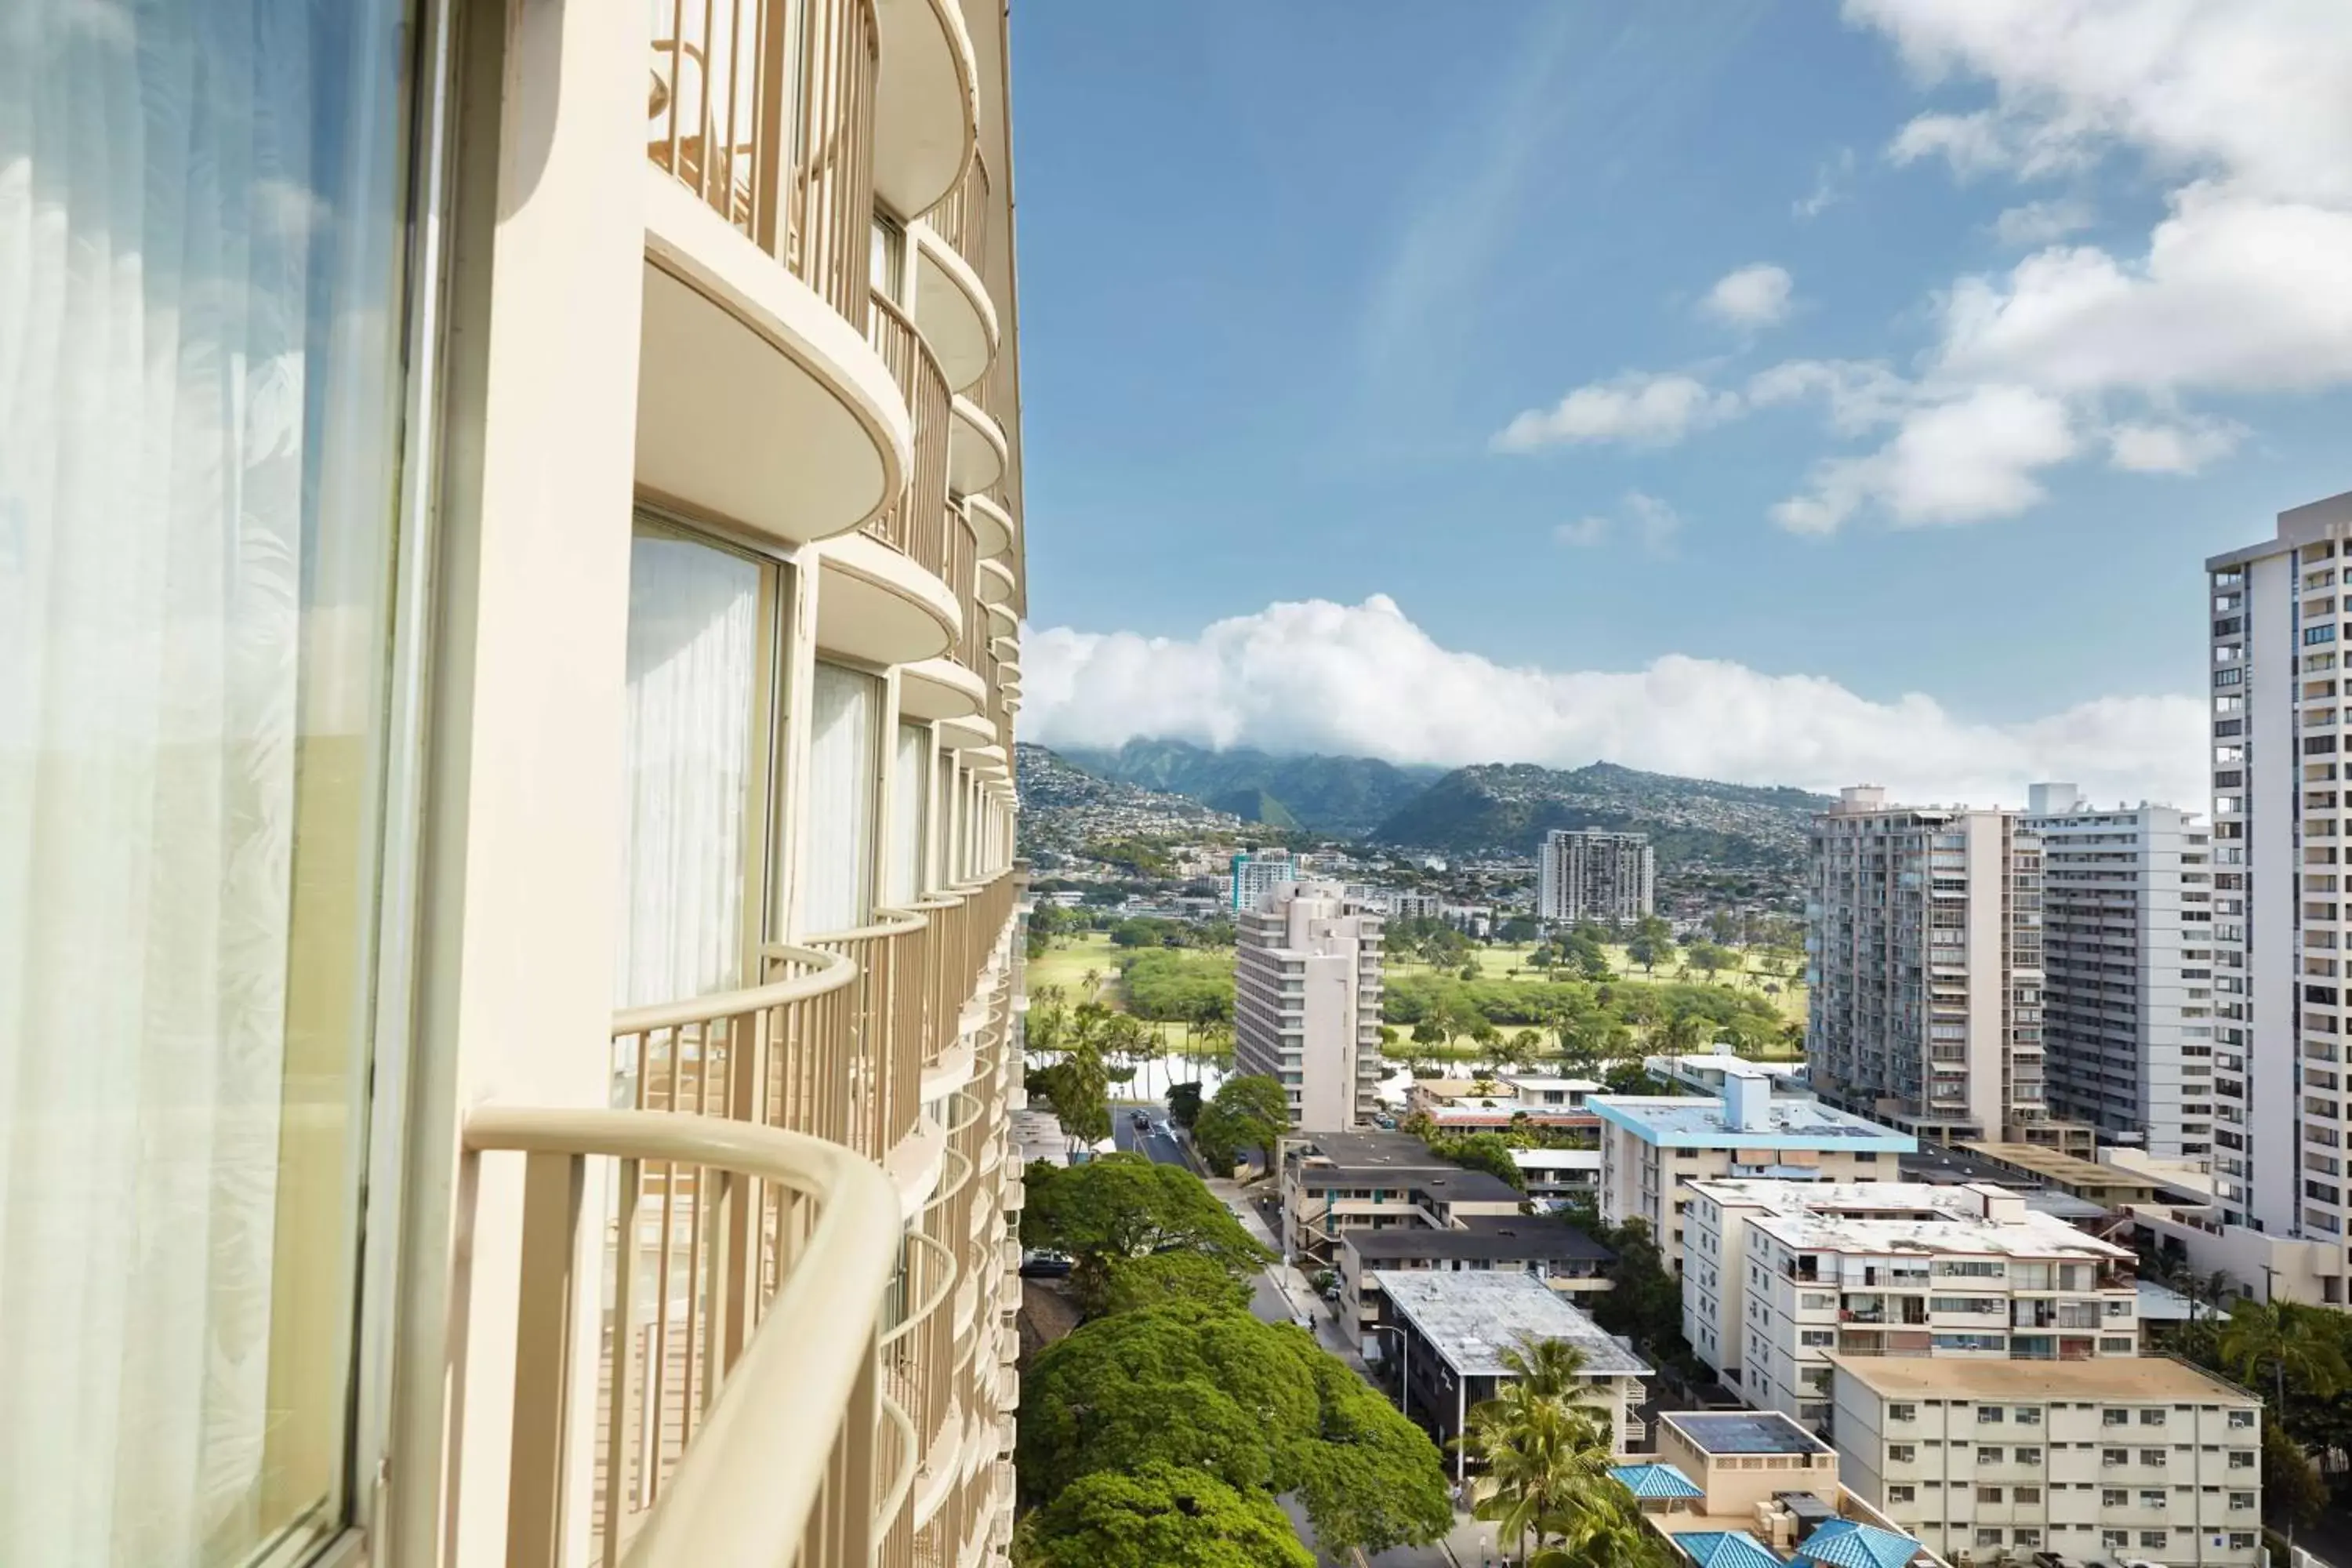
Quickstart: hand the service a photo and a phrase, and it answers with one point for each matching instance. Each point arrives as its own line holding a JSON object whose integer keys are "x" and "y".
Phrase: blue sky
{"x": 1289, "y": 272}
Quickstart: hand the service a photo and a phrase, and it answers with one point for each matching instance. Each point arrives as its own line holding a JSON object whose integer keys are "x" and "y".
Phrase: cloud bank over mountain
{"x": 1363, "y": 680}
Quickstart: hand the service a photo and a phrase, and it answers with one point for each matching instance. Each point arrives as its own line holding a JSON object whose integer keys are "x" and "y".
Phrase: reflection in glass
{"x": 201, "y": 222}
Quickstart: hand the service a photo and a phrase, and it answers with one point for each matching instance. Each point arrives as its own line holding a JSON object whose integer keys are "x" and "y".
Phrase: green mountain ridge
{"x": 1502, "y": 808}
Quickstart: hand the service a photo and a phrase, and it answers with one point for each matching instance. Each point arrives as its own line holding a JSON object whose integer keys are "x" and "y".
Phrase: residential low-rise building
{"x": 1552, "y": 1250}
{"x": 1557, "y": 1175}
{"x": 1778, "y": 1277}
{"x": 1337, "y": 1183}
{"x": 2117, "y": 1460}
{"x": 1450, "y": 1332}
{"x": 1704, "y": 1072}
{"x": 1652, "y": 1147}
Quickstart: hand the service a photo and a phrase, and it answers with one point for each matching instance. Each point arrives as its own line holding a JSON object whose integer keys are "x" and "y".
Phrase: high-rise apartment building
{"x": 1307, "y": 1001}
{"x": 2127, "y": 968}
{"x": 510, "y": 601}
{"x": 2279, "y": 929}
{"x": 1923, "y": 936}
{"x": 1257, "y": 872}
{"x": 1585, "y": 874}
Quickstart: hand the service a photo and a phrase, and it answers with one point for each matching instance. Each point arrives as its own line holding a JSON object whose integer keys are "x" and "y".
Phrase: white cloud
{"x": 1859, "y": 394}
{"x": 1968, "y": 458}
{"x": 1753, "y": 296}
{"x": 1321, "y": 677}
{"x": 2183, "y": 446}
{"x": 2234, "y": 293}
{"x": 2250, "y": 89}
{"x": 1830, "y": 183}
{"x": 1584, "y": 534}
{"x": 1639, "y": 408}
{"x": 2039, "y": 223}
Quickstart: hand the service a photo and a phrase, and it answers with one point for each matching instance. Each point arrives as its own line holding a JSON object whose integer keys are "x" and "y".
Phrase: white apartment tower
{"x": 2279, "y": 929}
{"x": 1585, "y": 874}
{"x": 1306, "y": 1001}
{"x": 1924, "y": 931}
{"x": 2127, "y": 966}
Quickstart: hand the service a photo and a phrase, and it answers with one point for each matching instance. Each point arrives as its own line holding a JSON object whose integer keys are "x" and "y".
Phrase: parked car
{"x": 1043, "y": 1264}
{"x": 1140, "y": 1122}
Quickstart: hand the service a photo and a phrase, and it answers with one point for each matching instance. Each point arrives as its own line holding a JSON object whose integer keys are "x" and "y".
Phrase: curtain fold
{"x": 909, "y": 786}
{"x": 199, "y": 304}
{"x": 693, "y": 681}
{"x": 843, "y": 778}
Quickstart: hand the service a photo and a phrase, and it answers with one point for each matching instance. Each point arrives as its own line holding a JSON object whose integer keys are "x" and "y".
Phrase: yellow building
{"x": 511, "y": 580}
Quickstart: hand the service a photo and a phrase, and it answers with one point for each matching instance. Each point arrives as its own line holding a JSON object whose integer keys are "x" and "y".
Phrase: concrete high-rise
{"x": 2127, "y": 968}
{"x": 1306, "y": 1001}
{"x": 1584, "y": 874}
{"x": 2279, "y": 926}
{"x": 1923, "y": 942}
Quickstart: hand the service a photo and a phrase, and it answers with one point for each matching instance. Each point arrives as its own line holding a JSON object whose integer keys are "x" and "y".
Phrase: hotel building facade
{"x": 511, "y": 580}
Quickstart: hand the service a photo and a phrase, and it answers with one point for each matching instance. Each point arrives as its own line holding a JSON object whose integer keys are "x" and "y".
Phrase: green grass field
{"x": 1496, "y": 962}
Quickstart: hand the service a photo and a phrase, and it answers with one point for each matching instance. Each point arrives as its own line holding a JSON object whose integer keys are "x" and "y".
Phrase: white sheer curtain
{"x": 910, "y": 784}
{"x": 844, "y": 724}
{"x": 199, "y": 226}
{"x": 693, "y": 685}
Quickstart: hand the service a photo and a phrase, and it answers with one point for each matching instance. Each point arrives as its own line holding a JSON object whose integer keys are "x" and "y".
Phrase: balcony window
{"x": 909, "y": 790}
{"x": 692, "y": 696}
{"x": 844, "y": 724}
{"x": 203, "y": 348}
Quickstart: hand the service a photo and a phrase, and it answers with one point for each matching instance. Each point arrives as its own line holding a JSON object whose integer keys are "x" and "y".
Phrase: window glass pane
{"x": 685, "y": 769}
{"x": 909, "y": 787}
{"x": 845, "y": 713}
{"x": 201, "y": 214}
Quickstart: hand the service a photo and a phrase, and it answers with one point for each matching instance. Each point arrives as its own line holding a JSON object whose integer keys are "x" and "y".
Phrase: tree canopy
{"x": 1112, "y": 1212}
{"x": 1259, "y": 1406}
{"x": 1248, "y": 1112}
{"x": 1160, "y": 1516}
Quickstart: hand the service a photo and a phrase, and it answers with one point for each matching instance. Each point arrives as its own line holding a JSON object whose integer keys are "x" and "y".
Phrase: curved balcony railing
{"x": 917, "y": 525}
{"x": 973, "y": 648}
{"x": 739, "y": 1390}
{"x": 766, "y": 112}
{"x": 915, "y": 1344}
{"x": 886, "y": 1044}
{"x": 962, "y": 217}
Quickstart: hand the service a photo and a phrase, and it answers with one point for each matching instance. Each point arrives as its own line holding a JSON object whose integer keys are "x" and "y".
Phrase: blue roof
{"x": 1683, "y": 1122}
{"x": 1845, "y": 1545}
{"x": 1655, "y": 1481}
{"x": 1726, "y": 1549}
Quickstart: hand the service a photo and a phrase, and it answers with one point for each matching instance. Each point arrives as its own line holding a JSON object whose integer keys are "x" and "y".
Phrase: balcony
{"x": 952, "y": 301}
{"x": 740, "y": 1414}
{"x": 926, "y": 103}
{"x": 760, "y": 400}
{"x": 886, "y": 594}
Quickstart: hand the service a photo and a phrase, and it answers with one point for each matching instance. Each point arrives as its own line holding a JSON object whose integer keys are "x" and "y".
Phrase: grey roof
{"x": 1489, "y": 1236}
{"x": 1471, "y": 1319}
{"x": 1744, "y": 1432}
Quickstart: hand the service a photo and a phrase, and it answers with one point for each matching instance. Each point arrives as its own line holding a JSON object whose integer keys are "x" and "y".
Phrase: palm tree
{"x": 1544, "y": 1441}
{"x": 2285, "y": 1340}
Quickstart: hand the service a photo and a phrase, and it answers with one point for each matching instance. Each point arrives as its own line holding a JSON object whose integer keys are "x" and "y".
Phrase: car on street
{"x": 1045, "y": 1264}
{"x": 1140, "y": 1122}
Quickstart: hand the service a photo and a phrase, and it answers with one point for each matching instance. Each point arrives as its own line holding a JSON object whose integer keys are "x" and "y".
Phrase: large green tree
{"x": 2284, "y": 1346}
{"x": 1122, "y": 1210}
{"x": 1248, "y": 1113}
{"x": 1158, "y": 1516}
{"x": 1260, "y": 1406}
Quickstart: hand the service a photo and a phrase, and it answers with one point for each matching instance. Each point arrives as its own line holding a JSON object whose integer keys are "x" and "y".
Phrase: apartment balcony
{"x": 887, "y": 594}
{"x": 993, "y": 524}
{"x": 761, "y": 401}
{"x": 740, "y": 1414}
{"x": 951, "y": 301}
{"x": 926, "y": 104}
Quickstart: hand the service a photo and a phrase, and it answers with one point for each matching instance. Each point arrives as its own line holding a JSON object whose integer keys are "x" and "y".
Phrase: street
{"x": 1158, "y": 1145}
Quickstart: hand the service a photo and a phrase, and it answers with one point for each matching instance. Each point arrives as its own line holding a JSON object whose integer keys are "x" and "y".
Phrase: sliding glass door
{"x": 203, "y": 213}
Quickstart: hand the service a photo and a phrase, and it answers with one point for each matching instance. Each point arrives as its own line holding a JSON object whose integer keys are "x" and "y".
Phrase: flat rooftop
{"x": 1369, "y": 1152}
{"x": 2035, "y": 1235}
{"x": 2145, "y": 1379}
{"x": 1679, "y": 1121}
{"x": 2052, "y": 1165}
{"x": 1471, "y": 1319}
{"x": 1493, "y": 1238}
{"x": 1856, "y": 1197}
{"x": 1720, "y": 1432}
{"x": 1964, "y": 1162}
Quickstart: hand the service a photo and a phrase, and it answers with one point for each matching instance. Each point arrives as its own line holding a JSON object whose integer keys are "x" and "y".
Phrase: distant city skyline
{"x": 1799, "y": 397}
